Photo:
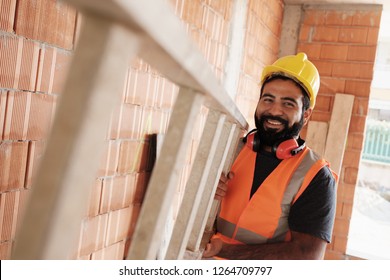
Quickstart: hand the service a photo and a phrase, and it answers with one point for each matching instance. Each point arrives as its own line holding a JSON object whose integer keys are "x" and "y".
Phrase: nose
{"x": 275, "y": 109}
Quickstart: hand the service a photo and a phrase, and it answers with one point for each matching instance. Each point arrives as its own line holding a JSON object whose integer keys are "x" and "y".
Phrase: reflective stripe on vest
{"x": 239, "y": 227}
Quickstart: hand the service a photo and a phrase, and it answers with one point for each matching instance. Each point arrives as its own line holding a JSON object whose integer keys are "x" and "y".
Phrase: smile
{"x": 274, "y": 122}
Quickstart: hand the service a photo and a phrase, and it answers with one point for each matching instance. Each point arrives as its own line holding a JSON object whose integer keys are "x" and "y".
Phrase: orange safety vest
{"x": 264, "y": 217}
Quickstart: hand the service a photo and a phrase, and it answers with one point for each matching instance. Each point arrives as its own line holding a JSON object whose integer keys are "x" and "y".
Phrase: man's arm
{"x": 301, "y": 247}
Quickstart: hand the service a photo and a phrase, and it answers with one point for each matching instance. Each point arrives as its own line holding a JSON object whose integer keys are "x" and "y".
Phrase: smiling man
{"x": 278, "y": 201}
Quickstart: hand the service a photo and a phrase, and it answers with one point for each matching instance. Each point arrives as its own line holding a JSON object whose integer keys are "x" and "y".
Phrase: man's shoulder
{"x": 324, "y": 178}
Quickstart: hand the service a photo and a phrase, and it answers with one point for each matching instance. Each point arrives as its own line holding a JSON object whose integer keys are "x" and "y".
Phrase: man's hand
{"x": 213, "y": 248}
{"x": 222, "y": 185}
{"x": 301, "y": 247}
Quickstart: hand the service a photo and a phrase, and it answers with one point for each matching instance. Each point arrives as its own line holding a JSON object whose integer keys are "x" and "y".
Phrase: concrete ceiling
{"x": 385, "y": 3}
{"x": 384, "y": 32}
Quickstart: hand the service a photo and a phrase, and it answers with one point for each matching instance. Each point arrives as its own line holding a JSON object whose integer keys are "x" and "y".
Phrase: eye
{"x": 289, "y": 104}
{"x": 267, "y": 100}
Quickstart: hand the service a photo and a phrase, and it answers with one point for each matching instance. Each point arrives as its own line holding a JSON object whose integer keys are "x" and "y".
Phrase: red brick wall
{"x": 36, "y": 42}
{"x": 117, "y": 195}
{"x": 341, "y": 41}
{"x": 147, "y": 104}
{"x": 37, "y": 39}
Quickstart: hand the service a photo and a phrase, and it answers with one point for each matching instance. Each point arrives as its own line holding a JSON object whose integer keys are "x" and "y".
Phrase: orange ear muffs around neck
{"x": 284, "y": 150}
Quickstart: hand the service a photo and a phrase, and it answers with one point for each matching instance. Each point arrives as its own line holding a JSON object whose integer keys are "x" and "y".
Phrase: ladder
{"x": 113, "y": 33}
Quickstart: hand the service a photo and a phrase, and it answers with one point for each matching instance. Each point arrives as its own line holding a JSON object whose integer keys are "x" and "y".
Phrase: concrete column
{"x": 290, "y": 30}
{"x": 236, "y": 47}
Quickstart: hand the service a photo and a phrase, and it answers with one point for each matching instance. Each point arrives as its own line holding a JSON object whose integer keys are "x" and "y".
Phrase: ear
{"x": 306, "y": 115}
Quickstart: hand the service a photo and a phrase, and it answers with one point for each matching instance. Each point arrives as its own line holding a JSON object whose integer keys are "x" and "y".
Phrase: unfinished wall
{"x": 147, "y": 104}
{"x": 36, "y": 40}
{"x": 146, "y": 108}
{"x": 341, "y": 40}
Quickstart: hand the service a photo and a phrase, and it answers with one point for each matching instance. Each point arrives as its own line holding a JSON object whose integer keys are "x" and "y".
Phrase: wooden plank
{"x": 212, "y": 183}
{"x": 316, "y": 136}
{"x": 57, "y": 204}
{"x": 338, "y": 130}
{"x": 168, "y": 48}
{"x": 158, "y": 198}
{"x": 196, "y": 184}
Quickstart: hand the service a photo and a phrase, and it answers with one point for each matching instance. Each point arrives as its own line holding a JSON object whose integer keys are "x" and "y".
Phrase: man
{"x": 279, "y": 200}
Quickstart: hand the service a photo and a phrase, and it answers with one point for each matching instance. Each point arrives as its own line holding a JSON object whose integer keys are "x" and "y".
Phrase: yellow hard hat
{"x": 299, "y": 68}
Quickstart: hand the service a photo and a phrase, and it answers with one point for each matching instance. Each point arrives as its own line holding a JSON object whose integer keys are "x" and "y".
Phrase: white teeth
{"x": 274, "y": 122}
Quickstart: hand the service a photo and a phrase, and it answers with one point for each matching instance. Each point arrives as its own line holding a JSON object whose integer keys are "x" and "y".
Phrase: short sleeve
{"x": 314, "y": 211}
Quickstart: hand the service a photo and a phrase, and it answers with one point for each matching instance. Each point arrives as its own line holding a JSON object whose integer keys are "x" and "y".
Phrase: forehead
{"x": 283, "y": 88}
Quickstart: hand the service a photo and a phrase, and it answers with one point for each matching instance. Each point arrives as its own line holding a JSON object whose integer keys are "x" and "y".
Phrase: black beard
{"x": 270, "y": 137}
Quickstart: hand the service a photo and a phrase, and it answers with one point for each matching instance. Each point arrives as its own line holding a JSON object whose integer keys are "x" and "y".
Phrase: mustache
{"x": 264, "y": 118}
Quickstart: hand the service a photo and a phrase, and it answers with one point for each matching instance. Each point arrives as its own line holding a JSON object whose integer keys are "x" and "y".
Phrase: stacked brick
{"x": 148, "y": 99}
{"x": 147, "y": 103}
{"x": 36, "y": 40}
{"x": 342, "y": 40}
{"x": 36, "y": 43}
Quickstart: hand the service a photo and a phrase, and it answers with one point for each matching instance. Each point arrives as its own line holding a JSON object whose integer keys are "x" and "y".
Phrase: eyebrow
{"x": 267, "y": 95}
{"x": 290, "y": 99}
